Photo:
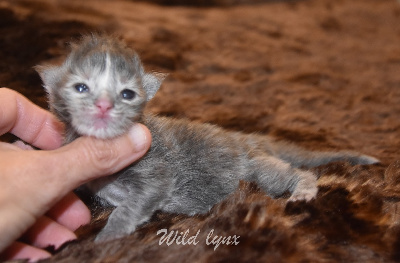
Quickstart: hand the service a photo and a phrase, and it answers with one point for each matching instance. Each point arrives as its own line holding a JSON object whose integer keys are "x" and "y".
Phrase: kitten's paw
{"x": 106, "y": 235}
{"x": 306, "y": 189}
{"x": 102, "y": 237}
{"x": 304, "y": 194}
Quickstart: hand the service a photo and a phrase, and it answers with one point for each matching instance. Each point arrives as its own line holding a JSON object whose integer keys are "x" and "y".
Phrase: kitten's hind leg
{"x": 276, "y": 177}
{"x": 306, "y": 188}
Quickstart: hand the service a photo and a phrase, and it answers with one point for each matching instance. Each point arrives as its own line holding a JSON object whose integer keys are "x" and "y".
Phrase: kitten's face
{"x": 101, "y": 88}
{"x": 102, "y": 100}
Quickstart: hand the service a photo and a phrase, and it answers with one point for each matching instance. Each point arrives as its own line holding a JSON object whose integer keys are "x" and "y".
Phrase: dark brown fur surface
{"x": 324, "y": 74}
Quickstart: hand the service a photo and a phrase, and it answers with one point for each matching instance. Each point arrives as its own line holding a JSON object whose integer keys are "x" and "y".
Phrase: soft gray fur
{"x": 190, "y": 167}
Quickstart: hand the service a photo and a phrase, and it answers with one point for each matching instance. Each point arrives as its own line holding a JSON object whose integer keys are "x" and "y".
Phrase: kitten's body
{"x": 189, "y": 167}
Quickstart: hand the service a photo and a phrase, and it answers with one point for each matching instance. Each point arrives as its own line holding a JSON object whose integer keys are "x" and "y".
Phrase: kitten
{"x": 101, "y": 89}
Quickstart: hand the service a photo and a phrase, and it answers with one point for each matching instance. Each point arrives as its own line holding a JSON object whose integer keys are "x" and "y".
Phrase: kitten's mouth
{"x": 100, "y": 123}
{"x": 101, "y": 120}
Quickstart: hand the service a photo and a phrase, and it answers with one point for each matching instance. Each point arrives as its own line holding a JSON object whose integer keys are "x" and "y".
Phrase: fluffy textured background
{"x": 323, "y": 74}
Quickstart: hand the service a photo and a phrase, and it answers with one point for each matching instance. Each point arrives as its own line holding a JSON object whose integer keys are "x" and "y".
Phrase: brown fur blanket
{"x": 323, "y": 74}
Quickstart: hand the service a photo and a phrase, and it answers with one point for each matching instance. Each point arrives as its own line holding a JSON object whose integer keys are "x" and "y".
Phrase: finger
{"x": 20, "y": 250}
{"x": 70, "y": 212}
{"x": 46, "y": 232}
{"x": 88, "y": 158}
{"x": 46, "y": 176}
{"x": 27, "y": 121}
{"x": 22, "y": 145}
{"x": 68, "y": 167}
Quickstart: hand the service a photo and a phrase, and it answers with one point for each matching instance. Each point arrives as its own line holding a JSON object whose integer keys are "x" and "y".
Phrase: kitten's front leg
{"x": 123, "y": 221}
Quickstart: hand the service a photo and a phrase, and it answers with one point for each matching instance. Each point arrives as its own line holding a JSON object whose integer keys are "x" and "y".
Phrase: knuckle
{"x": 100, "y": 154}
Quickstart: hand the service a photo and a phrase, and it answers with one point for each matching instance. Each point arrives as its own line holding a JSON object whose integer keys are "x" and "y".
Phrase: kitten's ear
{"x": 49, "y": 75}
{"x": 152, "y": 82}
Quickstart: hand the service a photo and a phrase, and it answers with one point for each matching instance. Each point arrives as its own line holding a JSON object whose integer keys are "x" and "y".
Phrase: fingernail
{"x": 138, "y": 137}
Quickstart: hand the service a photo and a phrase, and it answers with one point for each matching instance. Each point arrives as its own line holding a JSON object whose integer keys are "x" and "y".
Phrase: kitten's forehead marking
{"x": 105, "y": 78}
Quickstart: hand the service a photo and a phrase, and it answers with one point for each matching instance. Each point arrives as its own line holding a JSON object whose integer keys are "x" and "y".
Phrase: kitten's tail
{"x": 300, "y": 157}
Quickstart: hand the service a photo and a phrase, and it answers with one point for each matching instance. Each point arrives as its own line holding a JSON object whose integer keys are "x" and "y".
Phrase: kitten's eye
{"x": 81, "y": 88}
{"x": 128, "y": 94}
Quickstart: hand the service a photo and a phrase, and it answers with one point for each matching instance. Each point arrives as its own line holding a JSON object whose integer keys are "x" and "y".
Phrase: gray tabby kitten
{"x": 101, "y": 89}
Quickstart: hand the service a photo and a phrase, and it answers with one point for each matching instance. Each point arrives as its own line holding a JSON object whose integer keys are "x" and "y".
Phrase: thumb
{"x": 88, "y": 158}
{"x": 44, "y": 177}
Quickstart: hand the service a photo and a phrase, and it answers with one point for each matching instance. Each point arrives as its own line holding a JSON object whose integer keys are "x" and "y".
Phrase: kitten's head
{"x": 101, "y": 88}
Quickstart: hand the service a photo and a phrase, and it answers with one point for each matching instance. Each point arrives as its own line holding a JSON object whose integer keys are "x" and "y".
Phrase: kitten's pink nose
{"x": 104, "y": 105}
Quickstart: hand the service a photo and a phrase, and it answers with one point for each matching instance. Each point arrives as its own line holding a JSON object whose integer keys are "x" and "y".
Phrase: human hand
{"x": 36, "y": 185}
